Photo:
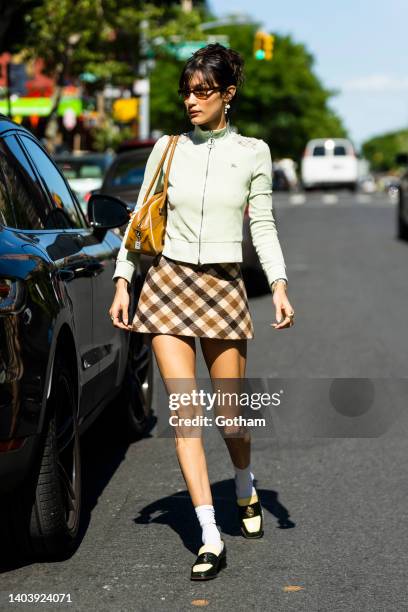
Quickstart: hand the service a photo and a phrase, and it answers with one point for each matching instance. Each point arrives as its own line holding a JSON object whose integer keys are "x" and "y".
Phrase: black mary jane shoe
{"x": 208, "y": 555}
{"x": 249, "y": 509}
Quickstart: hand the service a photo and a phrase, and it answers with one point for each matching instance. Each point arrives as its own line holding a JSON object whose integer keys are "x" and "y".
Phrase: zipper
{"x": 210, "y": 145}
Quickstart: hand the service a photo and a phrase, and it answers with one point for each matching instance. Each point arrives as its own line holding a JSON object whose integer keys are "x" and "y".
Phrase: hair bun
{"x": 229, "y": 56}
{"x": 237, "y": 64}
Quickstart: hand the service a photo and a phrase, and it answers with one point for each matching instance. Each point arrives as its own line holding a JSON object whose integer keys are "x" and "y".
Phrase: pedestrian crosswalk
{"x": 332, "y": 198}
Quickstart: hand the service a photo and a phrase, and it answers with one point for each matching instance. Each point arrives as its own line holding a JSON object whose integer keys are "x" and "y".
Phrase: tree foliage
{"x": 101, "y": 37}
{"x": 13, "y": 30}
{"x": 282, "y": 101}
{"x": 381, "y": 150}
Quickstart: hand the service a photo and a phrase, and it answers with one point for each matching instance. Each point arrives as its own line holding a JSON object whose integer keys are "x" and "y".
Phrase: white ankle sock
{"x": 244, "y": 482}
{"x": 206, "y": 517}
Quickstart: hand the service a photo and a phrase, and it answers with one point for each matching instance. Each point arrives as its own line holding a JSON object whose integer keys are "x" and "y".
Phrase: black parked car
{"x": 402, "y": 189}
{"x": 124, "y": 177}
{"x": 61, "y": 359}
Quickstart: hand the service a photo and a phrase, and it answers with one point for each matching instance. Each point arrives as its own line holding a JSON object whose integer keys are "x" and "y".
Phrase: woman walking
{"x": 194, "y": 288}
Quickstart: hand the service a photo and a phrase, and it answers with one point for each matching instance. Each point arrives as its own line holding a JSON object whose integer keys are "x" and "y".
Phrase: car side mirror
{"x": 107, "y": 212}
{"x": 401, "y": 159}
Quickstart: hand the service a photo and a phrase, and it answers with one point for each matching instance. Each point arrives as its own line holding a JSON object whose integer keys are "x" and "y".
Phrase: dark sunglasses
{"x": 201, "y": 94}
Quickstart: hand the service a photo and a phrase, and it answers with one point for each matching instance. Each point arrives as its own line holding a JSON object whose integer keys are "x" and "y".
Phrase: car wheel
{"x": 47, "y": 513}
{"x": 402, "y": 227}
{"x": 135, "y": 398}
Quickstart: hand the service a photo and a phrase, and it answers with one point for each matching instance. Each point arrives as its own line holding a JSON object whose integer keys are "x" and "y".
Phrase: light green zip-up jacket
{"x": 213, "y": 175}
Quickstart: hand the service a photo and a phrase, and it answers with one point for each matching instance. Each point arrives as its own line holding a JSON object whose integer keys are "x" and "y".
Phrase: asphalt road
{"x": 332, "y": 478}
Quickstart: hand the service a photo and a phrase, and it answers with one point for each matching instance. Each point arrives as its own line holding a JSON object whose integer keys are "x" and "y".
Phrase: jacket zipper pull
{"x": 211, "y": 140}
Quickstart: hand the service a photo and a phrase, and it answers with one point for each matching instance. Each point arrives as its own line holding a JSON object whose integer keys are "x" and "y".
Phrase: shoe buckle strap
{"x": 207, "y": 557}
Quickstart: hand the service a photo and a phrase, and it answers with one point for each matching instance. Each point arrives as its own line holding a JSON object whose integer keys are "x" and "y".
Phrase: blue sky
{"x": 360, "y": 48}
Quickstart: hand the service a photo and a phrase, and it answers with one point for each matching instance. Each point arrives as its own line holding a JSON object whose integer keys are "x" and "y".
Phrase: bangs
{"x": 205, "y": 75}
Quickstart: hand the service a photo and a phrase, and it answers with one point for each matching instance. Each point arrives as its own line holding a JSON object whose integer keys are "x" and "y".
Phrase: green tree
{"x": 12, "y": 23}
{"x": 381, "y": 150}
{"x": 98, "y": 37}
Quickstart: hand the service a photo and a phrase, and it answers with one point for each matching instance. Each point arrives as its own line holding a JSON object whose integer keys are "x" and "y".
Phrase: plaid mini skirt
{"x": 207, "y": 300}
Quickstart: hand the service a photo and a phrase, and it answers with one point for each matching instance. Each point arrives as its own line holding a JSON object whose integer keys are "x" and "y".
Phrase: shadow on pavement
{"x": 177, "y": 512}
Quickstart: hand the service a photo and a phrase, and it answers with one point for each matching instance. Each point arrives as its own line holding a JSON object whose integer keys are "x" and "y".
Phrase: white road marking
{"x": 363, "y": 198}
{"x": 316, "y": 199}
{"x": 297, "y": 198}
{"x": 330, "y": 198}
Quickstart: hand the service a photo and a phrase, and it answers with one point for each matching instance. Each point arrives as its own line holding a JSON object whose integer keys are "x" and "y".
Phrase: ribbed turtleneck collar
{"x": 200, "y": 135}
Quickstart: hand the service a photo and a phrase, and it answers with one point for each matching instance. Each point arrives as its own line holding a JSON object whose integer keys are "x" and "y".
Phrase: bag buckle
{"x": 138, "y": 236}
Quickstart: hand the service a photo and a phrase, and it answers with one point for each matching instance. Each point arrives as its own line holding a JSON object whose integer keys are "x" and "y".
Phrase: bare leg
{"x": 227, "y": 359}
{"x": 176, "y": 358}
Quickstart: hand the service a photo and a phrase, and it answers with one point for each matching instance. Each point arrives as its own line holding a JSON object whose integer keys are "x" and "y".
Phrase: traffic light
{"x": 269, "y": 41}
{"x": 263, "y": 46}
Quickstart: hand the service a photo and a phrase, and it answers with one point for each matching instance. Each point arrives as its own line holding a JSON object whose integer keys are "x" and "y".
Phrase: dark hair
{"x": 218, "y": 65}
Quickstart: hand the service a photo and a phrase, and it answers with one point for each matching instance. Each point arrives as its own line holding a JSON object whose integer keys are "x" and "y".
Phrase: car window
{"x": 340, "y": 150}
{"x": 319, "y": 151}
{"x": 127, "y": 171}
{"x": 28, "y": 208}
{"x": 6, "y": 210}
{"x": 55, "y": 184}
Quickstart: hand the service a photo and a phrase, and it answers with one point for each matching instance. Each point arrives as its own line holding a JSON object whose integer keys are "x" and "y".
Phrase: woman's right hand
{"x": 119, "y": 311}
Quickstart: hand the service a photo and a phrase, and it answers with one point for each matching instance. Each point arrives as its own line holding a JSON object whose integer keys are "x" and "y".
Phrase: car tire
{"x": 47, "y": 513}
{"x": 135, "y": 398}
{"x": 402, "y": 227}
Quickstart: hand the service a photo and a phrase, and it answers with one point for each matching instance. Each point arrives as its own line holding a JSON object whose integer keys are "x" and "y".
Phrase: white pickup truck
{"x": 329, "y": 162}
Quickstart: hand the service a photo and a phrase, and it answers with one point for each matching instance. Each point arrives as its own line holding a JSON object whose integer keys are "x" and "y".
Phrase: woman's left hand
{"x": 283, "y": 308}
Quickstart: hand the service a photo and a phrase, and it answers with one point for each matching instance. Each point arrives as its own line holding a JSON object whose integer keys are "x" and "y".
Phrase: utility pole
{"x": 144, "y": 84}
{"x": 8, "y": 87}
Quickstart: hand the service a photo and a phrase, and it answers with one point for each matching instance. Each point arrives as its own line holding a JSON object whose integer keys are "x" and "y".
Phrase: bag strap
{"x": 158, "y": 169}
{"x": 166, "y": 176}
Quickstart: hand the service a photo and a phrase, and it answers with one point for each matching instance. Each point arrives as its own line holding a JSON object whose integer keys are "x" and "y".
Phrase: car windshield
{"x": 81, "y": 169}
{"x": 127, "y": 172}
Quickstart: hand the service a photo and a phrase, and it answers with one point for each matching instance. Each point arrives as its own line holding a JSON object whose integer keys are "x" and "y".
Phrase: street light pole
{"x": 144, "y": 113}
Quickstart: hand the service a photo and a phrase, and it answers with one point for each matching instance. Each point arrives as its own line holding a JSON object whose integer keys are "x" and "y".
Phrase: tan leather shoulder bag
{"x": 148, "y": 224}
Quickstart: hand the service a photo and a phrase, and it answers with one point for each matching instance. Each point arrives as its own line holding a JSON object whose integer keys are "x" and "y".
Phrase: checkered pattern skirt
{"x": 207, "y": 300}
